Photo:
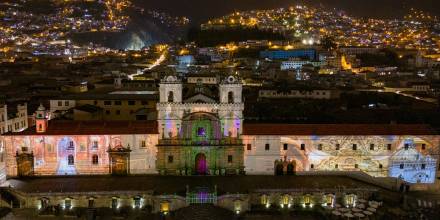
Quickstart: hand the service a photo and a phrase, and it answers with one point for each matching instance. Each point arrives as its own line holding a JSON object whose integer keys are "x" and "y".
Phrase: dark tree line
{"x": 213, "y": 37}
{"x": 385, "y": 58}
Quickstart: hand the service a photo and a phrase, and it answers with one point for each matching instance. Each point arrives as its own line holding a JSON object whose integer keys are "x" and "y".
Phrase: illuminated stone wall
{"x": 379, "y": 156}
{"x": 74, "y": 155}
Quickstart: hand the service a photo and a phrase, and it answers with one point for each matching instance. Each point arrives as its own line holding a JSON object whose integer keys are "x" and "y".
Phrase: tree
{"x": 328, "y": 43}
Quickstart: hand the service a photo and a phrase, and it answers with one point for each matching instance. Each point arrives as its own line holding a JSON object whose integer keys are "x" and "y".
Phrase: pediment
{"x": 199, "y": 98}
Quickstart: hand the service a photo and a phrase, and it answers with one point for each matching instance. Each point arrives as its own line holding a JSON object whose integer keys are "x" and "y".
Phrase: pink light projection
{"x": 201, "y": 164}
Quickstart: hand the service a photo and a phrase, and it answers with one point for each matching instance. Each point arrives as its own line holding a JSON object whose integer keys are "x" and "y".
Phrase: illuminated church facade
{"x": 201, "y": 132}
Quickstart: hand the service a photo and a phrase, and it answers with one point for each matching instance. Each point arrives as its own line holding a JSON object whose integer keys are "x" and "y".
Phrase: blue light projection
{"x": 66, "y": 149}
{"x": 410, "y": 165}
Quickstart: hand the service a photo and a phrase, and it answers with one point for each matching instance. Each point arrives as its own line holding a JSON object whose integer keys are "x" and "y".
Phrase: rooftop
{"x": 177, "y": 184}
{"x": 338, "y": 129}
{"x": 94, "y": 128}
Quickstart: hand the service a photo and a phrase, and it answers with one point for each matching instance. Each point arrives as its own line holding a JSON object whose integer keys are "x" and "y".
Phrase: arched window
{"x": 230, "y": 97}
{"x": 350, "y": 200}
{"x": 307, "y": 199}
{"x": 285, "y": 200}
{"x": 165, "y": 206}
{"x": 95, "y": 159}
{"x": 70, "y": 160}
{"x": 328, "y": 199}
{"x": 170, "y": 96}
{"x": 264, "y": 199}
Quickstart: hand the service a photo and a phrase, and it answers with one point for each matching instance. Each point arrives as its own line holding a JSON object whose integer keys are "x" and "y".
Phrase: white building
{"x": 13, "y": 121}
{"x": 298, "y": 64}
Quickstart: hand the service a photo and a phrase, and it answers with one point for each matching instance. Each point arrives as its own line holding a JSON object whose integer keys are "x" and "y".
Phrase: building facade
{"x": 310, "y": 54}
{"x": 407, "y": 152}
{"x": 116, "y": 105}
{"x": 15, "y": 121}
{"x": 200, "y": 134}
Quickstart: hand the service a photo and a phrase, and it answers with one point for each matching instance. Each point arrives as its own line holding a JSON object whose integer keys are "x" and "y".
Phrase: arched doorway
{"x": 201, "y": 164}
{"x": 290, "y": 168}
{"x": 279, "y": 168}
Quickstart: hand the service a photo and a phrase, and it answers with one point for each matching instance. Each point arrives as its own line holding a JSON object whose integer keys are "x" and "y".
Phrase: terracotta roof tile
{"x": 337, "y": 129}
{"x": 94, "y": 128}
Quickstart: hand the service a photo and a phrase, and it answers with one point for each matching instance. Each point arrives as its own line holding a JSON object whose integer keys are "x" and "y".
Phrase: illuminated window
{"x": 328, "y": 199}
{"x": 114, "y": 203}
{"x": 237, "y": 206}
{"x": 371, "y": 146}
{"x": 249, "y": 147}
{"x": 137, "y": 202}
{"x": 285, "y": 199}
{"x": 303, "y": 147}
{"x": 264, "y": 199}
{"x": 164, "y": 206}
{"x": 70, "y": 160}
{"x": 44, "y": 203}
{"x": 95, "y": 159}
{"x": 201, "y": 132}
{"x": 170, "y": 159}
{"x": 307, "y": 199}
{"x": 67, "y": 203}
{"x": 285, "y": 147}
{"x": 350, "y": 199}
{"x": 267, "y": 147}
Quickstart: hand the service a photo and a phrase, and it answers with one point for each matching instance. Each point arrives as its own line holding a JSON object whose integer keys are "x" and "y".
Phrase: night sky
{"x": 200, "y": 10}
